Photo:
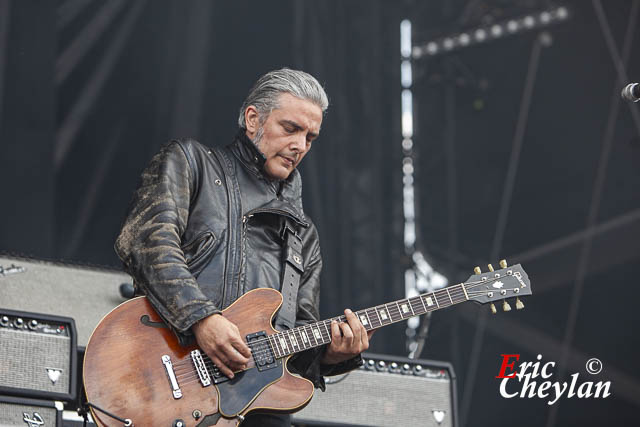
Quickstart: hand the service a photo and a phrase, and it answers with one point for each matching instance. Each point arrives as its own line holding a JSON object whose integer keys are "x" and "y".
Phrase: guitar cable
{"x": 126, "y": 422}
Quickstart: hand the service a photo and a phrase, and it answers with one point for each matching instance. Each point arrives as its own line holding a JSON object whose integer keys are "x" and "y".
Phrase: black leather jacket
{"x": 196, "y": 239}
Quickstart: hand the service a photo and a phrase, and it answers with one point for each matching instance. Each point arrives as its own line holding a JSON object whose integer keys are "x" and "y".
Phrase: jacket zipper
{"x": 226, "y": 258}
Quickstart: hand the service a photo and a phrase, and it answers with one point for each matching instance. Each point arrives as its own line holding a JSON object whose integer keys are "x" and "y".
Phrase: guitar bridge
{"x": 261, "y": 351}
{"x": 201, "y": 368}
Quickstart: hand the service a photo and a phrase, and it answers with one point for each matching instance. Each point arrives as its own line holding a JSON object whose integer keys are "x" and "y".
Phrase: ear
{"x": 252, "y": 121}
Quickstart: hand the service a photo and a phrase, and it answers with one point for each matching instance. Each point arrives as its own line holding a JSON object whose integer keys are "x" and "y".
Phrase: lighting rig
{"x": 421, "y": 276}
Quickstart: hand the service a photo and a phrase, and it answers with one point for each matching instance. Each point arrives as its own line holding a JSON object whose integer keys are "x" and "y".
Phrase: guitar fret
{"x": 377, "y": 318}
{"x": 414, "y": 310}
{"x": 283, "y": 343}
{"x": 328, "y": 332}
{"x": 305, "y": 338}
{"x": 423, "y": 305}
{"x": 274, "y": 347}
{"x": 298, "y": 337}
{"x": 384, "y": 314}
{"x": 316, "y": 334}
{"x": 364, "y": 319}
{"x": 451, "y": 299}
{"x": 435, "y": 297}
{"x": 309, "y": 331}
{"x": 399, "y": 311}
{"x": 294, "y": 342}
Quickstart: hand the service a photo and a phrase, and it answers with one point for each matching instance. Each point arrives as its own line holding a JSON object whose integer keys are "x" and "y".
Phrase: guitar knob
{"x": 493, "y": 308}
{"x": 506, "y": 306}
{"x": 477, "y": 270}
{"x": 519, "y": 304}
{"x": 503, "y": 263}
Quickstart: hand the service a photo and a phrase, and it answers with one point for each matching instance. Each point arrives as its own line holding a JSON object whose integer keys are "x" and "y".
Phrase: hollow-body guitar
{"x": 135, "y": 369}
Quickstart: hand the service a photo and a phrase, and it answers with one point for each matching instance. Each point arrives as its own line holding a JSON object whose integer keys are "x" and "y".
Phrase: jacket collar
{"x": 288, "y": 192}
{"x": 247, "y": 152}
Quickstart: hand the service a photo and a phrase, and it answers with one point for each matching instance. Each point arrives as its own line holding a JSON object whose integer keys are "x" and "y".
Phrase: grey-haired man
{"x": 205, "y": 225}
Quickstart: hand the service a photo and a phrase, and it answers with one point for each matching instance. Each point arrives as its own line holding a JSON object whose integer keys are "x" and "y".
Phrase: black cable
{"x": 126, "y": 422}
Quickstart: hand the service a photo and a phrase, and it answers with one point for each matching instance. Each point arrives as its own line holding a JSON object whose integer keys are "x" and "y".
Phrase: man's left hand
{"x": 348, "y": 339}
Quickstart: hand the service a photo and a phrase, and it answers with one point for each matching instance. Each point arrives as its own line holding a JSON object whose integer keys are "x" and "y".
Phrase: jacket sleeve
{"x": 308, "y": 363}
{"x": 149, "y": 243}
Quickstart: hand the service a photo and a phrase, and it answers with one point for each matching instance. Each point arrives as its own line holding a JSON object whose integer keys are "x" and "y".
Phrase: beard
{"x": 258, "y": 138}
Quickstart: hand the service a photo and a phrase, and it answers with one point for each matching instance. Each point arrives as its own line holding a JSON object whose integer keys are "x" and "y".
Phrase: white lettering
{"x": 599, "y": 386}
{"x": 503, "y": 389}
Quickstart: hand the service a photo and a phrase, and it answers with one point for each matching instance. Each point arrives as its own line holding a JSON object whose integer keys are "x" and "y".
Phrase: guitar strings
{"x": 186, "y": 368}
{"x": 457, "y": 292}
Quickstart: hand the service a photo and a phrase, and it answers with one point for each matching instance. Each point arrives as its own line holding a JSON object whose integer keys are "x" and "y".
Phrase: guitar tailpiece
{"x": 126, "y": 422}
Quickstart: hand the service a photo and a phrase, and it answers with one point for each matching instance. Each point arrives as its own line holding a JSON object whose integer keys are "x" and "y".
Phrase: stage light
{"x": 484, "y": 33}
{"x": 529, "y": 22}
{"x": 480, "y": 34}
{"x": 447, "y": 43}
{"x": 545, "y": 17}
{"x": 432, "y": 48}
{"x": 562, "y": 13}
{"x": 405, "y": 38}
{"x": 496, "y": 30}
{"x": 407, "y": 113}
{"x": 405, "y": 74}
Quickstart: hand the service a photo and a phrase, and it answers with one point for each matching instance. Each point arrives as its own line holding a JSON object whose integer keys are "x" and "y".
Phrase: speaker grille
{"x": 371, "y": 398}
{"x": 13, "y": 414}
{"x": 27, "y": 355}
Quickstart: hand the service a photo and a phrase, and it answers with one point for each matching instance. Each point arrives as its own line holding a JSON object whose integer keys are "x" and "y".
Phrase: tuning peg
{"x": 519, "y": 304}
{"x": 505, "y": 306}
{"x": 503, "y": 263}
{"x": 490, "y": 267}
{"x": 477, "y": 270}
{"x": 493, "y": 309}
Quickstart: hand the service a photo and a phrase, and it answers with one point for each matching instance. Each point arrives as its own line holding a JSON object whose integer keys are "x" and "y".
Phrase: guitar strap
{"x": 292, "y": 263}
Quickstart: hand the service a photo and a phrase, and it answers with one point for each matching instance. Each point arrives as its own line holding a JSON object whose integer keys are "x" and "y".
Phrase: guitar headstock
{"x": 496, "y": 285}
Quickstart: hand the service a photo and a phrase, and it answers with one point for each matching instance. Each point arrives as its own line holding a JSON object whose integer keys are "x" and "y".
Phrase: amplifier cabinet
{"x": 386, "y": 391}
{"x": 17, "y": 411}
{"x": 38, "y": 355}
{"x": 85, "y": 294}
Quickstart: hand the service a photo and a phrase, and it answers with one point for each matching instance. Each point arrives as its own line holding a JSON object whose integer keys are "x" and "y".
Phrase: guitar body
{"x": 124, "y": 372}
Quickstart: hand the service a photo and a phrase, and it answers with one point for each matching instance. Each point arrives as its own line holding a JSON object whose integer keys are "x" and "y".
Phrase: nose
{"x": 299, "y": 143}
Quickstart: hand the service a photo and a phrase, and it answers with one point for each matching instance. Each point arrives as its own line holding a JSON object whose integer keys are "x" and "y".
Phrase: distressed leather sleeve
{"x": 308, "y": 363}
{"x": 149, "y": 242}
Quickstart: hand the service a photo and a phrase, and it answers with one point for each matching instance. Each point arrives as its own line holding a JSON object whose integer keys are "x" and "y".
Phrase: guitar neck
{"x": 316, "y": 334}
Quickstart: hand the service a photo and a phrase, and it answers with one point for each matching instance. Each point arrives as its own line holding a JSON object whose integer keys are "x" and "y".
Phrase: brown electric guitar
{"x": 135, "y": 370}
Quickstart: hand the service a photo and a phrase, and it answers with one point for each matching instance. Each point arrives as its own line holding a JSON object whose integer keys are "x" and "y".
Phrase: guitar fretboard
{"x": 319, "y": 333}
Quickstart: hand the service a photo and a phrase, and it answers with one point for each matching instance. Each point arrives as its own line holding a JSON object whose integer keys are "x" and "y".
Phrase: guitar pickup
{"x": 262, "y": 351}
{"x": 200, "y": 367}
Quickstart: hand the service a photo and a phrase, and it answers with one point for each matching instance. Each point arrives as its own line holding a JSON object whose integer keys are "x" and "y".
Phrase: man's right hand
{"x": 220, "y": 339}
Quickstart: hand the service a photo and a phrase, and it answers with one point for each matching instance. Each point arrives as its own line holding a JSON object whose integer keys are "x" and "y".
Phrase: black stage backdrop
{"x": 529, "y": 128}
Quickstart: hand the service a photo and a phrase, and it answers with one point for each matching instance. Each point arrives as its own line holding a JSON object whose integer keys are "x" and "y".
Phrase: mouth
{"x": 290, "y": 161}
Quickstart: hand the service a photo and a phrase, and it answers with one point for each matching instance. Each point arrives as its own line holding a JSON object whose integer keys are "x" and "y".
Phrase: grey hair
{"x": 265, "y": 93}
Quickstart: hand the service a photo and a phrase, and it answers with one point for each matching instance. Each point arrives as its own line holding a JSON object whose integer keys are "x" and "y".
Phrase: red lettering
{"x": 505, "y": 365}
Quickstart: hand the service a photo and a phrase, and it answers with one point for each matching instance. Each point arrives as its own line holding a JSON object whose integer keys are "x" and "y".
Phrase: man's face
{"x": 286, "y": 134}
